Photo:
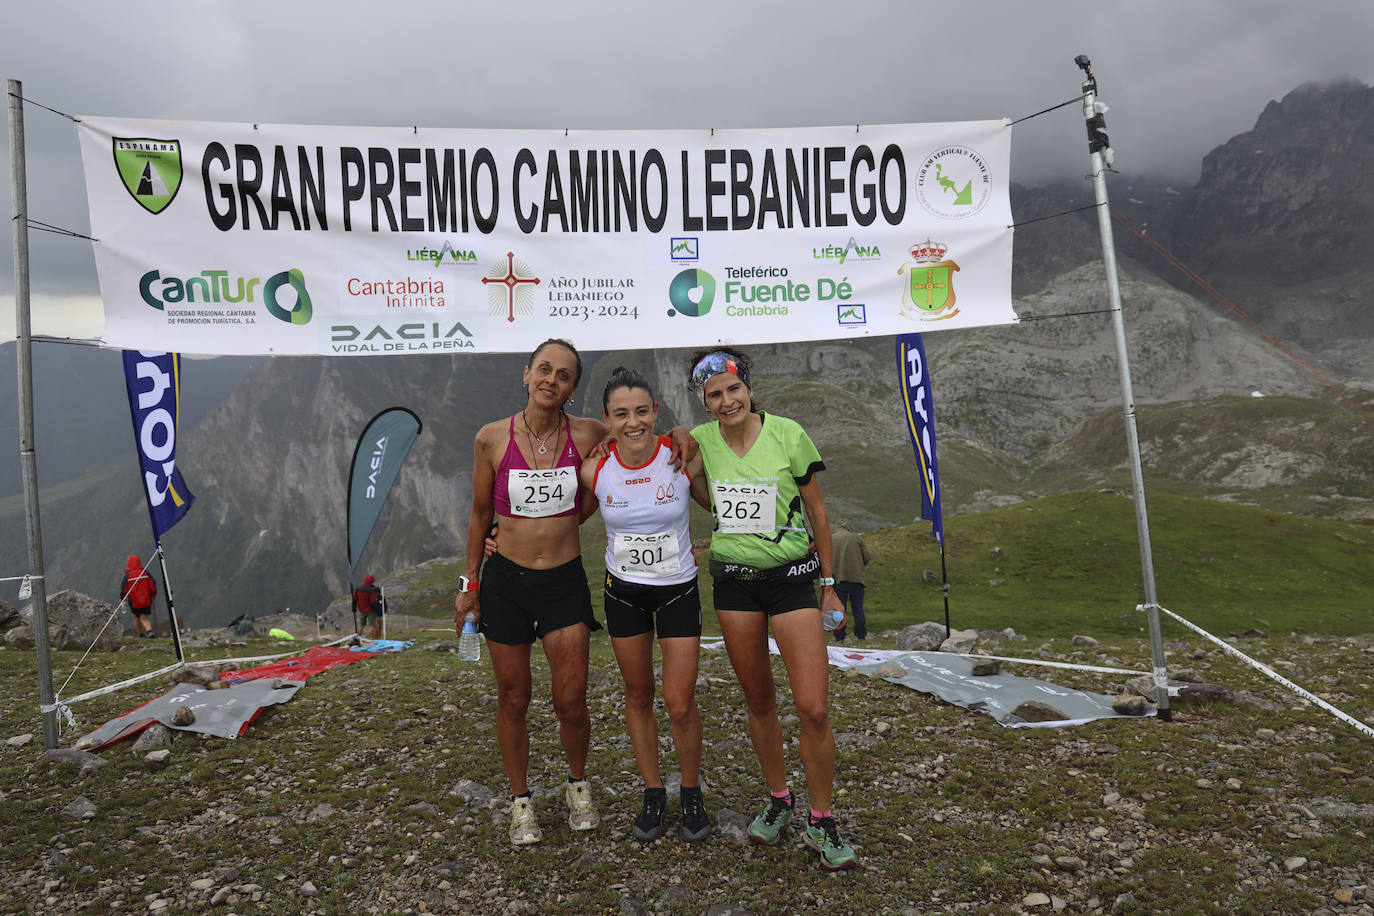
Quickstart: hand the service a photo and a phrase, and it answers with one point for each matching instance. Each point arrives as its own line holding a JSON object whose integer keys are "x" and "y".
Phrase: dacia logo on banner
{"x": 928, "y": 294}
{"x": 150, "y": 169}
{"x": 691, "y": 293}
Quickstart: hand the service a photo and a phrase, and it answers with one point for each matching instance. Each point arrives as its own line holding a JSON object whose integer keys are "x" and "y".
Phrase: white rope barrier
{"x": 1271, "y": 673}
{"x": 60, "y": 704}
{"x": 1049, "y": 664}
{"x": 64, "y": 706}
{"x": 268, "y": 658}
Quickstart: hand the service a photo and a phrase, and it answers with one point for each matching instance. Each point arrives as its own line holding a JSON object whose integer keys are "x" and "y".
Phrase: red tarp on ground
{"x": 315, "y": 660}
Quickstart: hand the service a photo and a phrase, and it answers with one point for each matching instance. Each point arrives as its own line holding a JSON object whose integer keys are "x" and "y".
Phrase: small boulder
{"x": 1035, "y": 711}
{"x": 158, "y": 760}
{"x": 1130, "y": 704}
{"x": 81, "y": 809}
{"x": 195, "y": 674}
{"x": 85, "y": 620}
{"x": 183, "y": 716}
{"x": 960, "y": 641}
{"x": 1081, "y": 640}
{"x": 889, "y": 669}
{"x": 71, "y": 757}
{"x": 921, "y": 637}
{"x": 986, "y": 667}
{"x": 154, "y": 737}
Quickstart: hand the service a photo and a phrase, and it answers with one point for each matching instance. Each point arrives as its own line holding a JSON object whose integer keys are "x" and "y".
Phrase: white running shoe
{"x": 581, "y": 814}
{"x": 524, "y": 829}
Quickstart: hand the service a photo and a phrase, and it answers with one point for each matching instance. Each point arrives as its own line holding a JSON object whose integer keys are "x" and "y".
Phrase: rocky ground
{"x": 378, "y": 790}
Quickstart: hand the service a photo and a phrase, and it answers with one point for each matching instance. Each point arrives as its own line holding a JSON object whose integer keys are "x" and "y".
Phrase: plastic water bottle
{"x": 832, "y": 620}
{"x": 469, "y": 643}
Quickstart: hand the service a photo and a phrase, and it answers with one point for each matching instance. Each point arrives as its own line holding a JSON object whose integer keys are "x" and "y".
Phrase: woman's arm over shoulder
{"x": 587, "y": 433}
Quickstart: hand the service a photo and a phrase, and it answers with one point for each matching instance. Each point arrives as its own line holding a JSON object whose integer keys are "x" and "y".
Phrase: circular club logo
{"x": 953, "y": 182}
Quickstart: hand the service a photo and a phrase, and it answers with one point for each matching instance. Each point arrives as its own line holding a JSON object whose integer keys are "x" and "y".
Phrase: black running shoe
{"x": 696, "y": 825}
{"x": 649, "y": 825}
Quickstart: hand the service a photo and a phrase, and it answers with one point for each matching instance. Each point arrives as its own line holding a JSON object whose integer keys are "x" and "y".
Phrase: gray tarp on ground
{"x": 949, "y": 677}
{"x": 221, "y": 712}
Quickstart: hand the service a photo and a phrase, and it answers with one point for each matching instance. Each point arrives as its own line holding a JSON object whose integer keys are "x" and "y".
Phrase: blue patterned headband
{"x": 713, "y": 364}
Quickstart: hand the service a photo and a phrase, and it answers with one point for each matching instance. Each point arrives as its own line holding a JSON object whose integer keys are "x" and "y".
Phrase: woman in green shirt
{"x": 761, "y": 471}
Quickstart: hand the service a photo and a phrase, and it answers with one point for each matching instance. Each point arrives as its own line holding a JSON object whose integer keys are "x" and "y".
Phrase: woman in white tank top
{"x": 651, "y": 587}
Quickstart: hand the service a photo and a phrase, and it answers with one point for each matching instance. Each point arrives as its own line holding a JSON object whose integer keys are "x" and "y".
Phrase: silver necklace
{"x": 543, "y": 447}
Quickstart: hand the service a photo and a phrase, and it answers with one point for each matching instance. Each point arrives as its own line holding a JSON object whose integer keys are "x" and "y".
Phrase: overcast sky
{"x": 1180, "y": 77}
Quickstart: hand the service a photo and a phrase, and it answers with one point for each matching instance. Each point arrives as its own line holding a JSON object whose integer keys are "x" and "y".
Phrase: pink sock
{"x": 785, "y": 793}
{"x": 817, "y": 815}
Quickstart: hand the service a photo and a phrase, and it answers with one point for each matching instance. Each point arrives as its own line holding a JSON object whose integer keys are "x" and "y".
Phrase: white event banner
{"x": 224, "y": 238}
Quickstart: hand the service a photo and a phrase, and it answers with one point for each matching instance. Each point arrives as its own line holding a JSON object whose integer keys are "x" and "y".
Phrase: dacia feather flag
{"x": 153, "y": 380}
{"x": 919, "y": 413}
{"x": 377, "y": 459}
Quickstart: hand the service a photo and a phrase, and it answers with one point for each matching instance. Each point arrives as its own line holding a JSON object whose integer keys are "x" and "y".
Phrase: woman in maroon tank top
{"x": 524, "y": 477}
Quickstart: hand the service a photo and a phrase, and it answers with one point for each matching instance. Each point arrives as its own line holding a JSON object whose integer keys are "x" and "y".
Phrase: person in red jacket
{"x": 139, "y": 589}
{"x": 367, "y": 598}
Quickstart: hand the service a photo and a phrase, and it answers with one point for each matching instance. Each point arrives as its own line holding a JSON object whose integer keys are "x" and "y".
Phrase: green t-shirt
{"x": 780, "y": 461}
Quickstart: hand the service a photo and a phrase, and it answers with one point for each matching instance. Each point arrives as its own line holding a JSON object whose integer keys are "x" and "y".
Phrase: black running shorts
{"x": 520, "y": 604}
{"x": 770, "y": 596}
{"x": 633, "y": 608}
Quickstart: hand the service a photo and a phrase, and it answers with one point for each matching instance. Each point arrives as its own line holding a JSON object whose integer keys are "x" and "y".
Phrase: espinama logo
{"x": 150, "y": 170}
{"x": 691, "y": 293}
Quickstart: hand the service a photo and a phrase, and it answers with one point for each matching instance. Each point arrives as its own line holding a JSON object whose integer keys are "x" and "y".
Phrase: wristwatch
{"x": 826, "y": 580}
{"x": 467, "y": 585}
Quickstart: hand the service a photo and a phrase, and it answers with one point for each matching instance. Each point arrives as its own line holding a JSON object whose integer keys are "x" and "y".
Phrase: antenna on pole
{"x": 1100, "y": 152}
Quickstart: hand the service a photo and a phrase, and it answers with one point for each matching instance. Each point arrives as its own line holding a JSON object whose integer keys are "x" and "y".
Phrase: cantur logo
{"x": 150, "y": 170}
{"x": 218, "y": 286}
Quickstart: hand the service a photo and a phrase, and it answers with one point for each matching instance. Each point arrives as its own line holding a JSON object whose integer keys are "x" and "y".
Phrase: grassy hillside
{"x": 1070, "y": 563}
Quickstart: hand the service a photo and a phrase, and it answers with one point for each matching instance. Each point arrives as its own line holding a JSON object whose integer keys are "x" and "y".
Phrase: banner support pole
{"x": 1099, "y": 152}
{"x": 27, "y": 459}
{"x": 171, "y": 605}
{"x": 944, "y": 582}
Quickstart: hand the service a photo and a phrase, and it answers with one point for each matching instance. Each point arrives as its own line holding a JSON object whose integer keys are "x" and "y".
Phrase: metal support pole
{"x": 1097, "y": 145}
{"x": 27, "y": 459}
{"x": 171, "y": 606}
{"x": 944, "y": 585}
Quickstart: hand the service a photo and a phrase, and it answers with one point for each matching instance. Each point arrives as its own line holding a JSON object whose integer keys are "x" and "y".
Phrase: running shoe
{"x": 767, "y": 827}
{"x": 524, "y": 829}
{"x": 649, "y": 825}
{"x": 835, "y": 853}
{"x": 695, "y": 825}
{"x": 581, "y": 814}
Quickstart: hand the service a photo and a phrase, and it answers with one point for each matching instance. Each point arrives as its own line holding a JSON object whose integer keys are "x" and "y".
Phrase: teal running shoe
{"x": 767, "y": 827}
{"x": 822, "y": 836}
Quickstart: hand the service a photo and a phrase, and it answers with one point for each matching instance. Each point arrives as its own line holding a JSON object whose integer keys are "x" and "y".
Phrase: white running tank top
{"x": 645, "y": 509}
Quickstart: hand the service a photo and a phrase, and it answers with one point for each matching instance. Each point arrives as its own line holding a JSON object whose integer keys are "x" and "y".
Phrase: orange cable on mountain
{"x": 1239, "y": 312}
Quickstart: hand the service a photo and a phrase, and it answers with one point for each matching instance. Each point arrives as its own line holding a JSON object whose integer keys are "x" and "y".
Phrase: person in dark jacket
{"x": 851, "y": 556}
{"x": 139, "y": 590}
{"x": 367, "y": 600}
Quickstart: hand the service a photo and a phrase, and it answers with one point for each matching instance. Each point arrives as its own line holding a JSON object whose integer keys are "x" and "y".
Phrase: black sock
{"x": 525, "y": 794}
